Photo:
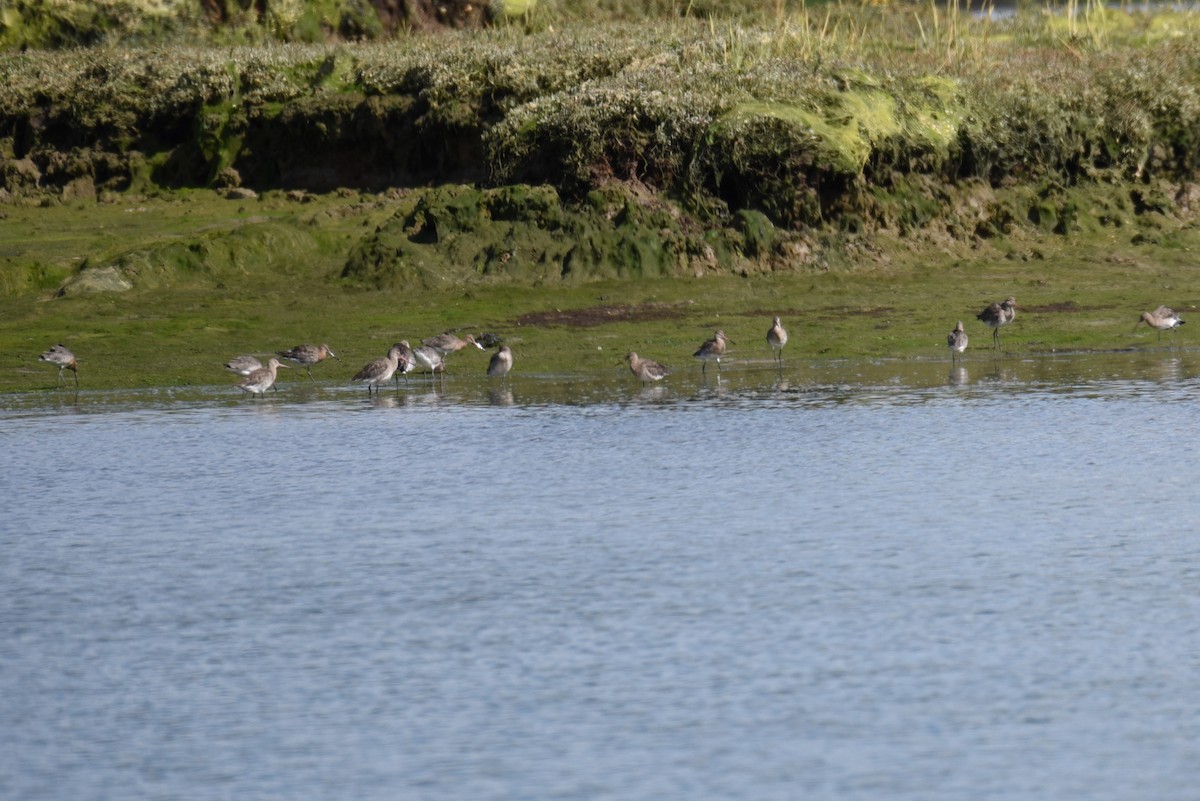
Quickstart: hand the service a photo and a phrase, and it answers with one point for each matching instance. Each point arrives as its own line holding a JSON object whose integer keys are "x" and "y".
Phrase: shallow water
{"x": 868, "y": 580}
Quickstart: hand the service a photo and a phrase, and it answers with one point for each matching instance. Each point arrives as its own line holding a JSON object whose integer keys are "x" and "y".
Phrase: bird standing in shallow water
{"x": 380, "y": 371}
{"x": 777, "y": 338}
{"x": 646, "y": 370}
{"x": 308, "y": 355}
{"x": 956, "y": 341}
{"x": 712, "y": 350}
{"x": 262, "y": 379}
{"x": 429, "y": 359}
{"x": 1161, "y": 319}
{"x": 64, "y": 358}
{"x": 243, "y": 365}
{"x": 406, "y": 362}
{"x": 501, "y": 362}
{"x": 445, "y": 344}
{"x": 996, "y": 315}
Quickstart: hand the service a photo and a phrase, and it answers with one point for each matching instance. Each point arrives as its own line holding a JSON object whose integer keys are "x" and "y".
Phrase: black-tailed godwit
{"x": 308, "y": 355}
{"x": 262, "y": 379}
{"x": 1161, "y": 319}
{"x": 429, "y": 359}
{"x": 997, "y": 315}
{"x": 243, "y": 365}
{"x": 501, "y": 362}
{"x": 956, "y": 340}
{"x": 712, "y": 350}
{"x": 446, "y": 344}
{"x": 380, "y": 371}
{"x": 64, "y": 358}
{"x": 777, "y": 337}
{"x": 646, "y": 370}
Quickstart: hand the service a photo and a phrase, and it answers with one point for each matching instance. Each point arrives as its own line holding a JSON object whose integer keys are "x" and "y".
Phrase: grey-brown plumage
{"x": 712, "y": 350}
{"x": 647, "y": 371}
{"x": 427, "y": 358}
{"x": 1161, "y": 319}
{"x": 501, "y": 362}
{"x": 445, "y": 344}
{"x": 62, "y": 356}
{"x": 380, "y": 371}
{"x": 262, "y": 379}
{"x": 956, "y": 340}
{"x": 997, "y": 315}
{"x": 777, "y": 337}
{"x": 406, "y": 362}
{"x": 308, "y": 355}
{"x": 243, "y": 365}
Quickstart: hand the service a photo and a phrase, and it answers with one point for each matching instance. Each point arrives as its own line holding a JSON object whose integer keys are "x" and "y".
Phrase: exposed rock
{"x": 19, "y": 173}
{"x": 240, "y": 193}
{"x": 1188, "y": 199}
{"x": 82, "y": 188}
{"x": 228, "y": 178}
{"x": 96, "y": 279}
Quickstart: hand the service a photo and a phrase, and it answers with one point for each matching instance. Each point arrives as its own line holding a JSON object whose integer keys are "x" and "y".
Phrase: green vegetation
{"x": 289, "y": 280}
{"x": 871, "y": 174}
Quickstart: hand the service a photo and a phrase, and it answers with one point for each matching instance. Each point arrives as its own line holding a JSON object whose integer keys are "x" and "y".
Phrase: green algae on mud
{"x": 235, "y": 276}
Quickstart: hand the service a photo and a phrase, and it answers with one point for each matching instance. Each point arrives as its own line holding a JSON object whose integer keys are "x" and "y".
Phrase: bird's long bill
{"x": 1139, "y": 322}
{"x": 286, "y": 366}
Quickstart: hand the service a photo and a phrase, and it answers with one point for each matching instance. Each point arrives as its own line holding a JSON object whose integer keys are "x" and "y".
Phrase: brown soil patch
{"x": 832, "y": 312}
{"x": 603, "y": 315}
{"x": 769, "y": 313}
{"x": 1063, "y": 307}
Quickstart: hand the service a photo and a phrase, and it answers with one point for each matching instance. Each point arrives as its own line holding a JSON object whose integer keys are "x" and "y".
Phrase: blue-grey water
{"x": 852, "y": 581}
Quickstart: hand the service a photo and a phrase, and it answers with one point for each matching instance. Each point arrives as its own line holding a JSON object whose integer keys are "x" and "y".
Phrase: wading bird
{"x": 380, "y": 371}
{"x": 501, "y": 362}
{"x": 64, "y": 358}
{"x": 406, "y": 362}
{"x": 646, "y": 370}
{"x": 712, "y": 350}
{"x": 243, "y": 365}
{"x": 1161, "y": 319}
{"x": 998, "y": 314}
{"x": 429, "y": 359}
{"x": 956, "y": 340}
{"x": 446, "y": 344}
{"x": 777, "y": 338}
{"x": 262, "y": 379}
{"x": 308, "y": 355}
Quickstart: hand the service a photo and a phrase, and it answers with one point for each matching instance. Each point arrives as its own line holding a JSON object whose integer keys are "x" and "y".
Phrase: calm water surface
{"x": 852, "y": 581}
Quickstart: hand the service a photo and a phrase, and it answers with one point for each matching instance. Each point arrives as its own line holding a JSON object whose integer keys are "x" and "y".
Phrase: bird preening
{"x": 956, "y": 340}
{"x": 1161, "y": 319}
{"x": 308, "y": 355}
{"x": 998, "y": 315}
{"x": 64, "y": 358}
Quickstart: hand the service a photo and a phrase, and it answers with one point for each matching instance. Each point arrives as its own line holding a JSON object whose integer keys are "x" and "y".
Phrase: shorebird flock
{"x": 432, "y": 354}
